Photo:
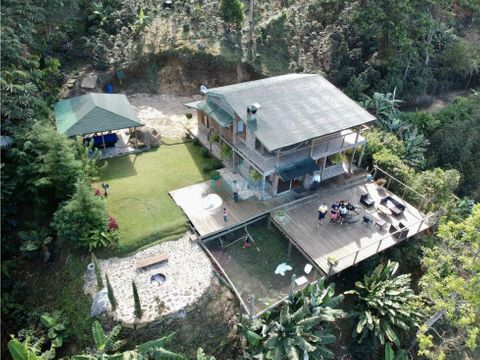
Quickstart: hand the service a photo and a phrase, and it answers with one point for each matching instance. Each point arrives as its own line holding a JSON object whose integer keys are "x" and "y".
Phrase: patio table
{"x": 384, "y": 210}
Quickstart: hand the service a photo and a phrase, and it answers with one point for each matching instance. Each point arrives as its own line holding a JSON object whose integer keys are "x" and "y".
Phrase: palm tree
{"x": 301, "y": 328}
{"x": 385, "y": 304}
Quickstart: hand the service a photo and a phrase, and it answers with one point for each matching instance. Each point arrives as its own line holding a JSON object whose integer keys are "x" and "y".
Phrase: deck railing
{"x": 355, "y": 257}
{"x": 315, "y": 150}
{"x": 398, "y": 187}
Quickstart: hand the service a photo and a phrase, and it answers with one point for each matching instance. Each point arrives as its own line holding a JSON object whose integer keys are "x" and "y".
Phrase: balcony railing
{"x": 267, "y": 163}
{"x": 318, "y": 150}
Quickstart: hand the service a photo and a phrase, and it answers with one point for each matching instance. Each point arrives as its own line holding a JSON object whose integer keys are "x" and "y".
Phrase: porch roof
{"x": 223, "y": 118}
{"x": 300, "y": 168}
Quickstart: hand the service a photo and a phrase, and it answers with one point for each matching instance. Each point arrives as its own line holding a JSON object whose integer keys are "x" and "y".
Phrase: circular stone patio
{"x": 187, "y": 275}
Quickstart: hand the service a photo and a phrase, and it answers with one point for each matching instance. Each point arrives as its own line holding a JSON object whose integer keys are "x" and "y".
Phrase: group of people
{"x": 338, "y": 212}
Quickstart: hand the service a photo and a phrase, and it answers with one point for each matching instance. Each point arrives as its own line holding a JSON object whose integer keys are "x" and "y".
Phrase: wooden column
{"x": 351, "y": 159}
{"x": 278, "y": 158}
{"x": 358, "y": 135}
{"x": 311, "y": 147}
{"x": 323, "y": 168}
{"x": 264, "y": 181}
{"x": 361, "y": 155}
{"x": 103, "y": 141}
{"x": 234, "y": 158}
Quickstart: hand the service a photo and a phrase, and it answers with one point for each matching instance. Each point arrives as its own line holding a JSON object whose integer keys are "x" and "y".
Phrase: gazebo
{"x": 98, "y": 114}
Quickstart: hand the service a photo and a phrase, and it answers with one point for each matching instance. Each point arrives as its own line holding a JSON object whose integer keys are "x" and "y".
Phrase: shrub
{"x": 217, "y": 164}
{"x": 255, "y": 175}
{"x": 205, "y": 152}
{"x": 102, "y": 239}
{"x": 112, "y": 224}
{"x": 111, "y": 296}
{"x": 136, "y": 300}
{"x": 207, "y": 168}
{"x": 78, "y": 217}
{"x": 98, "y": 272}
{"x": 215, "y": 175}
{"x": 56, "y": 324}
{"x": 232, "y": 11}
{"x": 196, "y": 142}
{"x": 393, "y": 165}
{"x": 189, "y": 115}
{"x": 214, "y": 138}
{"x": 226, "y": 152}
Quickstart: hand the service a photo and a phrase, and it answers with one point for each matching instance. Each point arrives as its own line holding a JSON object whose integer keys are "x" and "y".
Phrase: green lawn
{"x": 139, "y": 199}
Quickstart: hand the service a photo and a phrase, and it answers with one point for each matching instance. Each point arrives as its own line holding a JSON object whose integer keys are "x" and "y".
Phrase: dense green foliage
{"x": 379, "y": 48}
{"x": 452, "y": 285}
{"x": 385, "y": 305}
{"x": 83, "y": 213}
{"x": 455, "y": 142}
{"x": 232, "y": 11}
{"x": 301, "y": 328}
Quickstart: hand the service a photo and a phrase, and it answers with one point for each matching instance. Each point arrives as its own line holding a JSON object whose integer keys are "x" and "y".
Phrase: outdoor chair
{"x": 399, "y": 231}
{"x": 366, "y": 200}
{"x": 367, "y": 220}
{"x": 395, "y": 206}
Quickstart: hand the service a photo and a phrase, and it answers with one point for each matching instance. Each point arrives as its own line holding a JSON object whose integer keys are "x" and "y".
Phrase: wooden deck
{"x": 349, "y": 244}
{"x": 209, "y": 221}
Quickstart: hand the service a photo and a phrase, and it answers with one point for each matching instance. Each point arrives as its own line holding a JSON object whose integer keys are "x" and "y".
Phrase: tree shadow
{"x": 118, "y": 167}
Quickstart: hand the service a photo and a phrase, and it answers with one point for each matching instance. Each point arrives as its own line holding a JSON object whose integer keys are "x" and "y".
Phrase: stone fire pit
{"x": 164, "y": 289}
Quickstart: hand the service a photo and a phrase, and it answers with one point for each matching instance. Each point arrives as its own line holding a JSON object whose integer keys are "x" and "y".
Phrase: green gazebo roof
{"x": 91, "y": 113}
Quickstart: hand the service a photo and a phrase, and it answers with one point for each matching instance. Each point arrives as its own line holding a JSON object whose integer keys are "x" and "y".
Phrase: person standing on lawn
{"x": 322, "y": 212}
{"x": 106, "y": 189}
{"x": 236, "y": 190}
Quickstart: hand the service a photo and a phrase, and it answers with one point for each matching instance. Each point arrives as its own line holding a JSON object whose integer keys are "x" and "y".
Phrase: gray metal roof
{"x": 294, "y": 108}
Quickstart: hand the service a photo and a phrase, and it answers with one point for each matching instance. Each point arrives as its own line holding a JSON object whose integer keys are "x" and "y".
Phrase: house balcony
{"x": 319, "y": 149}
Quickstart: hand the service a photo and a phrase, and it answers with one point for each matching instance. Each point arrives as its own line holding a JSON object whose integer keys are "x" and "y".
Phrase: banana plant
{"x": 385, "y": 304}
{"x": 391, "y": 355}
{"x": 104, "y": 344}
{"x": 26, "y": 350}
{"x": 56, "y": 324}
{"x": 34, "y": 240}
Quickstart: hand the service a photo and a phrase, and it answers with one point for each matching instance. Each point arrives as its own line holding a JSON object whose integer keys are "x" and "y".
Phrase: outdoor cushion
{"x": 366, "y": 200}
{"x": 395, "y": 207}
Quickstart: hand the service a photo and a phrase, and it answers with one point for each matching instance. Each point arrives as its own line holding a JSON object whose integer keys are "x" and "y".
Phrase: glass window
{"x": 240, "y": 127}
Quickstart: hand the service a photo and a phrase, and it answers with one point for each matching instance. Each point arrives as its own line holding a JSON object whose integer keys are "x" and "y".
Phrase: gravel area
{"x": 166, "y": 113}
{"x": 188, "y": 273}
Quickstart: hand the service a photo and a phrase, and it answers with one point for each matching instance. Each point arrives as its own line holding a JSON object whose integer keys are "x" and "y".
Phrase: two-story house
{"x": 282, "y": 129}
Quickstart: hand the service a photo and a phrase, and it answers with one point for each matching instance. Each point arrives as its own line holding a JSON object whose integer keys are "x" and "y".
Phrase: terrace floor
{"x": 203, "y": 204}
{"x": 346, "y": 244}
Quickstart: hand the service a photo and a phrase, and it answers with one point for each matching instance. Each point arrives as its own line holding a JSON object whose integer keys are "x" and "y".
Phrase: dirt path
{"x": 165, "y": 112}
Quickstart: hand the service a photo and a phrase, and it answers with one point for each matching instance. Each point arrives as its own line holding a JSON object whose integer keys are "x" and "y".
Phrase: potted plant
{"x": 214, "y": 138}
{"x": 332, "y": 260}
{"x": 280, "y": 215}
{"x": 380, "y": 185}
{"x": 255, "y": 176}
{"x": 226, "y": 152}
